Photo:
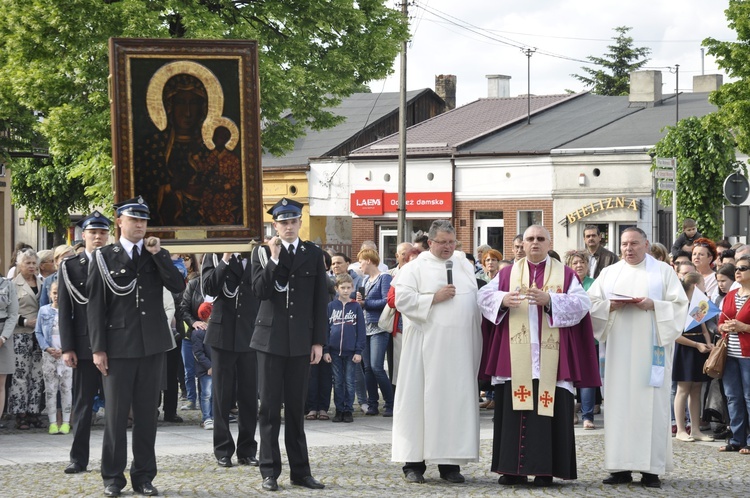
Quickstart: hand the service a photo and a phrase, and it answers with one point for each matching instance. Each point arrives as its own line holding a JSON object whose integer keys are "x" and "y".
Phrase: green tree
{"x": 612, "y": 74}
{"x": 733, "y": 99}
{"x": 54, "y": 68}
{"x": 705, "y": 153}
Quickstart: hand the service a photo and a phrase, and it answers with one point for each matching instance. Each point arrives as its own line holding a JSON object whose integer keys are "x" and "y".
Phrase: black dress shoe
{"x": 511, "y": 480}
{"x": 309, "y": 482}
{"x": 454, "y": 477}
{"x": 173, "y": 418}
{"x": 112, "y": 490}
{"x": 270, "y": 484}
{"x": 252, "y": 461}
{"x": 146, "y": 489}
{"x": 224, "y": 461}
{"x": 542, "y": 481}
{"x": 623, "y": 477}
{"x": 650, "y": 480}
{"x": 414, "y": 477}
{"x": 74, "y": 468}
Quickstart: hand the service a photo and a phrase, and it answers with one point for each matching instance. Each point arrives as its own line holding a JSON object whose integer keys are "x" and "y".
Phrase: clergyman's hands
{"x": 445, "y": 293}
{"x": 538, "y": 297}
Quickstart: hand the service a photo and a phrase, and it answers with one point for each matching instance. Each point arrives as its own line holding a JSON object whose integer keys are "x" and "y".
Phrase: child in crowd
{"x": 202, "y": 354}
{"x": 685, "y": 241}
{"x": 346, "y": 341}
{"x": 57, "y": 376}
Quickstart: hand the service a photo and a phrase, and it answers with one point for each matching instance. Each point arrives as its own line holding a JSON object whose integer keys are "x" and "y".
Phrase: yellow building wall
{"x": 292, "y": 185}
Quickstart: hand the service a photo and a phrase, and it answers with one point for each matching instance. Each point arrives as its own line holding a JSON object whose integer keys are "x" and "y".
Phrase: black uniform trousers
{"x": 173, "y": 372}
{"x": 284, "y": 380}
{"x": 136, "y": 382}
{"x": 86, "y": 383}
{"x": 224, "y": 365}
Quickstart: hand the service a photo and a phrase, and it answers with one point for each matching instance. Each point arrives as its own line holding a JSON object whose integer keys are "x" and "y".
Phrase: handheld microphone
{"x": 449, "y": 271}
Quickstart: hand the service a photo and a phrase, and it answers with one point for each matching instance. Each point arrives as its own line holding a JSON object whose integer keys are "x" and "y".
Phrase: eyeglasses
{"x": 444, "y": 242}
{"x": 538, "y": 239}
{"x": 741, "y": 268}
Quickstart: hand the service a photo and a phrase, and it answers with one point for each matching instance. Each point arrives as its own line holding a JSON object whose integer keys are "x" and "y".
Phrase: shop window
{"x": 528, "y": 218}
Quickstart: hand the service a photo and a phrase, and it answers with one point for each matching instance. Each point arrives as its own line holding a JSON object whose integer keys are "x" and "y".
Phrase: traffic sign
{"x": 736, "y": 188}
{"x": 666, "y": 174}
{"x": 667, "y": 185}
{"x": 666, "y": 162}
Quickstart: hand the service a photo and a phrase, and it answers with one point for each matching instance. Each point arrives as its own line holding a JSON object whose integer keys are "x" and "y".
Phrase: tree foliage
{"x": 705, "y": 153}
{"x": 54, "y": 68}
{"x": 612, "y": 74}
{"x": 733, "y": 99}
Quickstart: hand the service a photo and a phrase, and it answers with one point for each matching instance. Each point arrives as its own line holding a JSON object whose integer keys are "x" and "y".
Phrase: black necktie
{"x": 291, "y": 252}
{"x": 135, "y": 256}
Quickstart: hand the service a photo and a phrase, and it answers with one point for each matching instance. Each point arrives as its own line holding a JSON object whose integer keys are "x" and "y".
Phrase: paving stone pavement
{"x": 352, "y": 460}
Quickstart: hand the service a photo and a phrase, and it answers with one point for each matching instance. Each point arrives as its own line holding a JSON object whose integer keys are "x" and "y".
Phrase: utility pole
{"x": 528, "y": 52}
{"x": 402, "y": 138}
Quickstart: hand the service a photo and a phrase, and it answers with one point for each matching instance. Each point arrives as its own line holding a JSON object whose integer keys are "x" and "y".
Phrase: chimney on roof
{"x": 707, "y": 82}
{"x": 645, "y": 88}
{"x": 445, "y": 86}
{"x": 498, "y": 86}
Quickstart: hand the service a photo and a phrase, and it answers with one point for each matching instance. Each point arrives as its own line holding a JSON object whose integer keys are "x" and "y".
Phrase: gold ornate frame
{"x": 228, "y": 73}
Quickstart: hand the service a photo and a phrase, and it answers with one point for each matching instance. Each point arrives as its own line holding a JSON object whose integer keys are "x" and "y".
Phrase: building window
{"x": 528, "y": 218}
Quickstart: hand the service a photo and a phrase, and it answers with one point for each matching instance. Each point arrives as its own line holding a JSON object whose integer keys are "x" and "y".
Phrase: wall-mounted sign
{"x": 606, "y": 204}
{"x": 377, "y": 202}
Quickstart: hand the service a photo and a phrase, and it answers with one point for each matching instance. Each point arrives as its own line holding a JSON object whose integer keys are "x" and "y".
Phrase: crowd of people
{"x": 286, "y": 327}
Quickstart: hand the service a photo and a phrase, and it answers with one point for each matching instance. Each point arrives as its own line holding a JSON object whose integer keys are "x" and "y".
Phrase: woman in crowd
{"x": 376, "y": 286}
{"x": 491, "y": 262}
{"x": 27, "y": 386}
{"x": 191, "y": 299}
{"x": 59, "y": 253}
{"x": 659, "y": 251}
{"x": 704, "y": 254}
{"x": 20, "y": 246}
{"x": 724, "y": 281}
{"x": 690, "y": 353}
{"x": 578, "y": 261}
{"x": 734, "y": 323}
{"x": 8, "y": 320}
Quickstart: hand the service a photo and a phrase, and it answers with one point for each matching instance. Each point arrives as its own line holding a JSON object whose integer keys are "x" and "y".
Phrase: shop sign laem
{"x": 378, "y": 202}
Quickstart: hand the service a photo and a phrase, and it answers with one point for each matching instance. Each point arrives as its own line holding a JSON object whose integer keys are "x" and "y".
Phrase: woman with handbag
{"x": 373, "y": 300}
{"x": 735, "y": 324}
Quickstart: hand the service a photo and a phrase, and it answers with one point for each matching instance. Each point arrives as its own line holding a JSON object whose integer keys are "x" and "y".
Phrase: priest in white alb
{"x": 638, "y": 310}
{"x": 436, "y": 413}
{"x": 542, "y": 348}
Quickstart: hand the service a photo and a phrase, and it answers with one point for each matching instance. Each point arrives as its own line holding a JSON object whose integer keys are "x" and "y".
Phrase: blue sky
{"x": 568, "y": 28}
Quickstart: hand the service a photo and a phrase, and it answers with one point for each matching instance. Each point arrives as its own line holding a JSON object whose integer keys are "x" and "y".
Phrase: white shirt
{"x": 128, "y": 246}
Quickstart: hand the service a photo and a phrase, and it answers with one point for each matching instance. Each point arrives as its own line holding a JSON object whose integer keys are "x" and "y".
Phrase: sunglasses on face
{"x": 741, "y": 268}
{"x": 538, "y": 239}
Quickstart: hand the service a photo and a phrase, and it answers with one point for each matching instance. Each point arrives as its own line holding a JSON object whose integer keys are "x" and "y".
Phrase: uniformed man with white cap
{"x": 74, "y": 336}
{"x": 289, "y": 278}
{"x": 129, "y": 336}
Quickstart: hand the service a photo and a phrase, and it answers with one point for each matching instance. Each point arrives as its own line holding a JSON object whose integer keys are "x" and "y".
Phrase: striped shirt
{"x": 733, "y": 343}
